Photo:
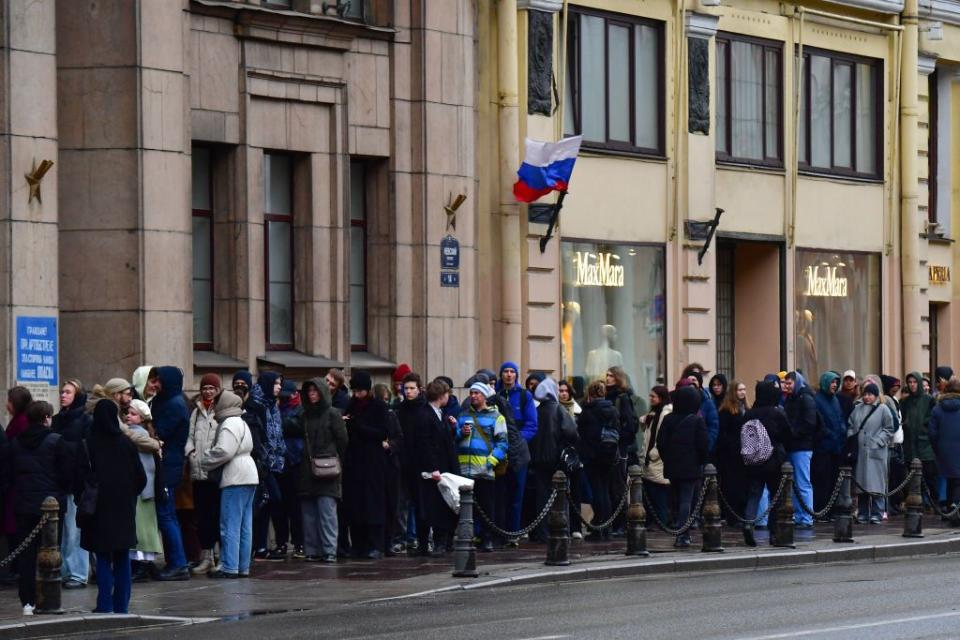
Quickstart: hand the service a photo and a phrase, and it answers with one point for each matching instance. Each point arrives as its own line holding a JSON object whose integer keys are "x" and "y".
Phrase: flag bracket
{"x": 554, "y": 216}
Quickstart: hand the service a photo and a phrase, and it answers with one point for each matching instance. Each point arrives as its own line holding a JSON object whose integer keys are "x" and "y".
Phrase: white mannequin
{"x": 604, "y": 356}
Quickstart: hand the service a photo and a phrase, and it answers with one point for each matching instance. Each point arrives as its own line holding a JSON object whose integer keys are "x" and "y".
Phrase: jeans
{"x": 320, "y": 525}
{"x": 236, "y": 528}
{"x": 683, "y": 493}
{"x": 870, "y": 506}
{"x": 516, "y": 483}
{"x": 113, "y": 581}
{"x": 170, "y": 530}
{"x": 76, "y": 561}
{"x": 801, "y": 479}
{"x": 759, "y": 490}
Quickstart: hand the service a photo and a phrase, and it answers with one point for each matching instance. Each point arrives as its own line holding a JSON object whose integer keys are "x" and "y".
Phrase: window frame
{"x": 843, "y": 58}
{"x": 267, "y": 219}
{"x": 933, "y": 143}
{"x": 208, "y": 214}
{"x": 363, "y": 226}
{"x": 767, "y": 45}
{"x": 573, "y": 63}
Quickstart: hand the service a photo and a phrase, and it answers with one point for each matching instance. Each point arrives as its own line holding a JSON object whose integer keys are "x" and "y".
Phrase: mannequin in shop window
{"x": 805, "y": 336}
{"x": 604, "y": 356}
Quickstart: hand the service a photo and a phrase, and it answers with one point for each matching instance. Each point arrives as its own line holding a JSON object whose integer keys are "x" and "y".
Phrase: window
{"x": 278, "y": 252}
{"x": 749, "y": 101}
{"x": 940, "y": 180}
{"x": 202, "y": 250}
{"x": 614, "y": 88}
{"x": 840, "y": 115}
{"x": 358, "y": 256}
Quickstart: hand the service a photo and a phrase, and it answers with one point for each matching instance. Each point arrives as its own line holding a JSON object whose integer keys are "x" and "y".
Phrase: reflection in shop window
{"x": 613, "y": 312}
{"x": 837, "y": 317}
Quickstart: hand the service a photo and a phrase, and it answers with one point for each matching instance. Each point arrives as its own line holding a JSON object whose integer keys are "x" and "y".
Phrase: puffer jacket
{"x": 203, "y": 433}
{"x": 834, "y": 434}
{"x": 653, "y": 469}
{"x": 233, "y": 447}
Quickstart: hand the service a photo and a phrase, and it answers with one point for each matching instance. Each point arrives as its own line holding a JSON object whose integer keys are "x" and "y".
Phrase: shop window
{"x": 358, "y": 256}
{"x": 840, "y": 115}
{"x": 614, "y": 88}
{"x": 278, "y": 248}
{"x": 749, "y": 101}
{"x": 613, "y": 312}
{"x": 202, "y": 248}
{"x": 837, "y": 321}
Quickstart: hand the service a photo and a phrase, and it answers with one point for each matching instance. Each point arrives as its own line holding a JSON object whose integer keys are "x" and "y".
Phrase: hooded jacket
{"x": 324, "y": 435}
{"x": 171, "y": 419}
{"x": 917, "y": 409}
{"x": 801, "y": 411}
{"x": 595, "y": 415}
{"x": 139, "y": 381}
{"x": 274, "y": 448}
{"x": 682, "y": 437}
{"x": 201, "y": 436}
{"x": 524, "y": 409}
{"x": 233, "y": 447}
{"x": 291, "y": 422}
{"x": 43, "y": 465}
{"x": 944, "y": 431}
{"x": 555, "y": 428}
{"x": 834, "y": 425}
{"x": 73, "y": 425}
{"x": 718, "y": 400}
{"x": 768, "y": 411}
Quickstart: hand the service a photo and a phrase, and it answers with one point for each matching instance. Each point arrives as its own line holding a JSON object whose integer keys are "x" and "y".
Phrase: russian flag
{"x": 546, "y": 167}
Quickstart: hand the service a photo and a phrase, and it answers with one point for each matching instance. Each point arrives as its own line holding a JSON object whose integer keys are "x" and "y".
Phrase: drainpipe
{"x": 909, "y": 221}
{"x": 511, "y": 233}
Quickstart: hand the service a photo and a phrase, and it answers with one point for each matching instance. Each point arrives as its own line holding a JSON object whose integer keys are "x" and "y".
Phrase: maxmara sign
{"x": 598, "y": 270}
{"x": 823, "y": 282}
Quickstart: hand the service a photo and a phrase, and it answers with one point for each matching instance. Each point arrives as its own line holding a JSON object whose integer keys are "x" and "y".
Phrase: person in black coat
{"x": 599, "y": 465}
{"x": 555, "y": 431}
{"x": 116, "y": 471}
{"x": 434, "y": 451}
{"x": 767, "y": 410}
{"x": 683, "y": 445}
{"x": 364, "y": 469}
{"x": 409, "y": 413}
{"x": 42, "y": 465}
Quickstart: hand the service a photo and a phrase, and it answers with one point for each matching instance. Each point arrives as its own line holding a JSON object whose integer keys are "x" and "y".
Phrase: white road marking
{"x": 851, "y": 627}
{"x": 544, "y": 638}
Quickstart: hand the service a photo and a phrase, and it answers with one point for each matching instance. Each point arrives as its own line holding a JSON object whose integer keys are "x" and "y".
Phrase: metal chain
{"x": 617, "y": 511}
{"x": 26, "y": 541}
{"x": 891, "y": 493}
{"x": 772, "y": 503}
{"x": 826, "y": 510}
{"x": 936, "y": 505}
{"x": 686, "y": 525}
{"x": 522, "y": 532}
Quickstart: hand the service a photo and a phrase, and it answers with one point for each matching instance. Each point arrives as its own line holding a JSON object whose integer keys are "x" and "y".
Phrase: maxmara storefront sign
{"x": 597, "y": 269}
{"x": 823, "y": 282}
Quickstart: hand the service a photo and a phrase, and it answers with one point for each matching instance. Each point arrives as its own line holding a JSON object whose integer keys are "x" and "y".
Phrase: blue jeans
{"x": 801, "y": 479}
{"x": 236, "y": 529}
{"x": 76, "y": 561}
{"x": 170, "y": 530}
{"x": 113, "y": 582}
{"x": 516, "y": 484}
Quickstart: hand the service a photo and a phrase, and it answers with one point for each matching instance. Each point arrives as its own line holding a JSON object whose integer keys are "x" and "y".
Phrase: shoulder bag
{"x": 852, "y": 447}
{"x": 321, "y": 467}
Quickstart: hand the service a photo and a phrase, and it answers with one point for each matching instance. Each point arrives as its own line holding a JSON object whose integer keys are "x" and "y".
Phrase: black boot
{"x": 748, "y": 538}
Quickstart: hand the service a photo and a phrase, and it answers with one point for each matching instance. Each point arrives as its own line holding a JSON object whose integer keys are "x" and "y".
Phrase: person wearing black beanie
{"x": 360, "y": 380}
{"x": 941, "y": 377}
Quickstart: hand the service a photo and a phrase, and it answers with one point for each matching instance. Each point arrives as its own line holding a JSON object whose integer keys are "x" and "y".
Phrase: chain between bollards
{"x": 464, "y": 552}
{"x": 558, "y": 524}
{"x": 48, "y": 559}
{"x": 843, "y": 517}
{"x": 711, "y": 530}
{"x": 783, "y": 536}
{"x": 913, "y": 520}
{"x": 636, "y": 514}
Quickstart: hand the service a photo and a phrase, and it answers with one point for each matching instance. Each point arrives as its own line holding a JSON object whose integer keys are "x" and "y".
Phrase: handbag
{"x": 322, "y": 467}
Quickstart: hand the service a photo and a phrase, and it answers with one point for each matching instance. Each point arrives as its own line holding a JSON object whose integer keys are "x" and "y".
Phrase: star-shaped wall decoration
{"x": 34, "y": 177}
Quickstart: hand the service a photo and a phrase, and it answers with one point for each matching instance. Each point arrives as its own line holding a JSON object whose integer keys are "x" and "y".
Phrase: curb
{"x": 706, "y": 562}
{"x": 47, "y": 625}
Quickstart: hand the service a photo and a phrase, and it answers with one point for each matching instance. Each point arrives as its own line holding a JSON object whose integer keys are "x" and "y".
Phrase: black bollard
{"x": 464, "y": 553}
{"x": 784, "y": 533}
{"x": 558, "y": 524}
{"x": 843, "y": 518}
{"x": 636, "y": 515}
{"x": 712, "y": 529}
{"x": 913, "y": 520}
{"x": 48, "y": 559}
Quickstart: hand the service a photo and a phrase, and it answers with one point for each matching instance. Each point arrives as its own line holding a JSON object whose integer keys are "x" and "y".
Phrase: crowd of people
{"x": 335, "y": 470}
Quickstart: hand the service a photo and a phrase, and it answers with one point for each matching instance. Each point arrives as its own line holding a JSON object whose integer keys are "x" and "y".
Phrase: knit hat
{"x": 889, "y": 382}
{"x": 401, "y": 372}
{"x": 509, "y": 365}
{"x": 228, "y": 405}
{"x": 485, "y": 389}
{"x": 116, "y": 385}
{"x": 943, "y": 373}
{"x": 871, "y": 389}
{"x": 244, "y": 376}
{"x": 142, "y": 408}
{"x": 849, "y": 373}
{"x": 782, "y": 375}
{"x": 360, "y": 380}
{"x": 288, "y": 388}
{"x": 210, "y": 380}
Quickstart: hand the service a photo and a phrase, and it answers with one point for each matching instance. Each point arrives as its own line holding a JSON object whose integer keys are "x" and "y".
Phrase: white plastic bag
{"x": 449, "y": 487}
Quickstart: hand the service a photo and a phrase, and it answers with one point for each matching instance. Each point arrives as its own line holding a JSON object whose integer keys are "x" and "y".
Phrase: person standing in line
{"x": 873, "y": 425}
{"x": 655, "y": 483}
{"x": 718, "y": 389}
{"x": 693, "y": 373}
{"x": 433, "y": 451}
{"x": 337, "y": 383}
{"x": 729, "y": 463}
{"x": 764, "y": 474}
{"x": 325, "y": 436}
{"x": 285, "y": 515}
{"x": 801, "y": 411}
{"x": 18, "y": 399}
{"x": 115, "y": 469}
{"x": 682, "y": 442}
{"x": 917, "y": 408}
{"x": 271, "y": 454}
{"x": 73, "y": 425}
{"x": 828, "y": 452}
{"x": 393, "y": 451}
{"x": 525, "y": 417}
{"x": 942, "y": 376}
{"x": 944, "y": 429}
{"x": 146, "y": 383}
{"x": 600, "y": 456}
{"x": 849, "y": 393}
{"x": 567, "y": 401}
{"x": 139, "y": 428}
{"x": 206, "y": 492}
{"x": 410, "y": 414}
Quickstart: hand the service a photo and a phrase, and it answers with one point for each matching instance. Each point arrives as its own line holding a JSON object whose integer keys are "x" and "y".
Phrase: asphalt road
{"x": 913, "y": 598}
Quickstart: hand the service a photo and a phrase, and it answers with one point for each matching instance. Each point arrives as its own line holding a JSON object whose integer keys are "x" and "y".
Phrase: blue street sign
{"x": 449, "y": 253}
{"x": 36, "y": 349}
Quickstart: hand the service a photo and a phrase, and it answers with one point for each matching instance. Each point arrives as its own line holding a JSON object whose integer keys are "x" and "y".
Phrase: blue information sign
{"x": 449, "y": 279}
{"x": 37, "y": 349}
{"x": 449, "y": 253}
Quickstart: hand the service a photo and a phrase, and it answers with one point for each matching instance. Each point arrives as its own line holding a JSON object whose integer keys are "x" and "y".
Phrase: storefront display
{"x": 838, "y": 307}
{"x": 613, "y": 312}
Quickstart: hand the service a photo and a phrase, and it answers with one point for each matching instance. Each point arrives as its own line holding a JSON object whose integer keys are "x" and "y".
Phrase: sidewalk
{"x": 278, "y": 587}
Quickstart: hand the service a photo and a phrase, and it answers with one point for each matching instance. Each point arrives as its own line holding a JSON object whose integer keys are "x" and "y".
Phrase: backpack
{"x": 755, "y": 445}
{"x": 609, "y": 447}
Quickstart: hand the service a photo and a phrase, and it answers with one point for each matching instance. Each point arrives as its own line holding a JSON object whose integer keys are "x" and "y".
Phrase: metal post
{"x": 843, "y": 518}
{"x": 913, "y": 521}
{"x": 464, "y": 553}
{"x": 558, "y": 524}
{"x": 48, "y": 559}
{"x": 636, "y": 515}
{"x": 784, "y": 533}
{"x": 712, "y": 531}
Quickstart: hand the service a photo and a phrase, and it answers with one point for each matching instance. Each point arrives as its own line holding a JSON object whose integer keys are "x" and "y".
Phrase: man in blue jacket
{"x": 171, "y": 419}
{"x": 525, "y": 417}
{"x": 828, "y": 448}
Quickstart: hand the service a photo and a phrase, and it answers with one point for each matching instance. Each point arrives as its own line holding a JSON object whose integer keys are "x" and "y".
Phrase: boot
{"x": 206, "y": 563}
{"x": 748, "y": 538}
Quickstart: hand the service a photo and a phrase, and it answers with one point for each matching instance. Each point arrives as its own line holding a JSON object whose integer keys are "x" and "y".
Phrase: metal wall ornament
{"x": 35, "y": 177}
{"x": 451, "y": 209}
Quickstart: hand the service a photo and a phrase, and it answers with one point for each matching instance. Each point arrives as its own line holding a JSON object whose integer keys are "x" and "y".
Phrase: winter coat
{"x": 834, "y": 434}
{"x": 6, "y": 472}
{"x": 364, "y": 466}
{"x": 232, "y": 449}
{"x": 120, "y": 478}
{"x": 801, "y": 411}
{"x": 728, "y": 439}
{"x": 596, "y": 415}
{"x": 478, "y": 453}
{"x": 73, "y": 424}
{"x": 171, "y": 420}
{"x": 653, "y": 465}
{"x": 340, "y": 399}
{"x": 141, "y": 375}
{"x": 43, "y": 465}
{"x": 324, "y": 435}
{"x": 409, "y": 414}
{"x": 944, "y": 431}
{"x": 524, "y": 409}
{"x": 708, "y": 411}
{"x": 203, "y": 432}
{"x": 141, "y": 439}
{"x": 916, "y": 410}
{"x": 291, "y": 423}
{"x": 629, "y": 420}
{"x": 767, "y": 410}
{"x": 433, "y": 443}
{"x": 874, "y": 437}
{"x": 555, "y": 429}
{"x": 274, "y": 448}
{"x": 682, "y": 437}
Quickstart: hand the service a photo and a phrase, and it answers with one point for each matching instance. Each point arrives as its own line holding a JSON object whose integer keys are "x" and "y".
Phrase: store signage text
{"x": 939, "y": 275}
{"x": 823, "y": 282}
{"x": 596, "y": 270}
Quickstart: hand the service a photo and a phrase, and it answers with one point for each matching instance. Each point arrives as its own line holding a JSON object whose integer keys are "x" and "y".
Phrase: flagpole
{"x": 553, "y": 221}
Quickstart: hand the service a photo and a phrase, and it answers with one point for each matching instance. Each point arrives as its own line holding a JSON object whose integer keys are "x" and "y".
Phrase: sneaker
{"x": 312, "y": 559}
{"x": 261, "y": 554}
{"x": 329, "y": 559}
{"x": 299, "y": 553}
{"x": 28, "y": 609}
{"x": 279, "y": 553}
{"x": 576, "y": 535}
